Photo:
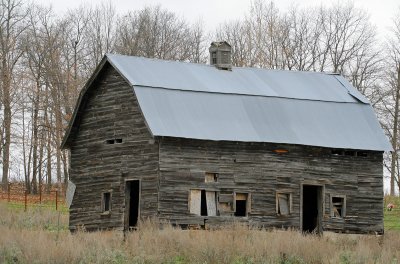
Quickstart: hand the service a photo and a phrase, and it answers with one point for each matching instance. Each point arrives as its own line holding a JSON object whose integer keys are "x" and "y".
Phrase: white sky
{"x": 214, "y": 12}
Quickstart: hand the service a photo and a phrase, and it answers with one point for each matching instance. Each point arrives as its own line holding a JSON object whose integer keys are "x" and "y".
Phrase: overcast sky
{"x": 214, "y": 12}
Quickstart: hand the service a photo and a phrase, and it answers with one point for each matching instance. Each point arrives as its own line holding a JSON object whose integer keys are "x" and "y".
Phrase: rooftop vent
{"x": 220, "y": 55}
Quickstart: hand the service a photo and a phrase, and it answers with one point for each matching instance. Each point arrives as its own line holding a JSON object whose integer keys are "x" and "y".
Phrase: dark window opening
{"x": 203, "y": 206}
{"x": 349, "y": 153}
{"x": 241, "y": 204}
{"x": 341, "y": 152}
{"x": 114, "y": 141}
{"x": 106, "y": 202}
{"x": 240, "y": 208}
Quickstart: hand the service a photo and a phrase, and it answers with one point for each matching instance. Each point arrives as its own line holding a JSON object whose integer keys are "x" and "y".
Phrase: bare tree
{"x": 12, "y": 25}
{"x": 392, "y": 104}
{"x": 99, "y": 35}
{"x": 157, "y": 33}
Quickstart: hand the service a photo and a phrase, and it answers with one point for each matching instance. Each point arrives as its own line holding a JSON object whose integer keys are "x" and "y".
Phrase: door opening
{"x": 312, "y": 209}
{"x": 132, "y": 204}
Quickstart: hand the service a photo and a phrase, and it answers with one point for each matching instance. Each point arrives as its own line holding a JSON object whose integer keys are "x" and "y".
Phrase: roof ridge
{"x": 244, "y": 94}
{"x": 212, "y": 66}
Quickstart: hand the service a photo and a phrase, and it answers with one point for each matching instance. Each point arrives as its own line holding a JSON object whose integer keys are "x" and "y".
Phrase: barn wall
{"x": 111, "y": 111}
{"x": 254, "y": 168}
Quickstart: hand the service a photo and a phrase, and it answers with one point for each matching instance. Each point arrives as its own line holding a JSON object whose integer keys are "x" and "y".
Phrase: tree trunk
{"x": 7, "y": 124}
{"x": 35, "y": 140}
{"x": 395, "y": 135}
{"x": 48, "y": 185}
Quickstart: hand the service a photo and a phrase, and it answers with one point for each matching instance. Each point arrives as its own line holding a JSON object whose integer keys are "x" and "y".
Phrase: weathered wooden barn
{"x": 206, "y": 145}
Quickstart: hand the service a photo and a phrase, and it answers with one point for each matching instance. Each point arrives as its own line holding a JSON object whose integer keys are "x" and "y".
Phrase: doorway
{"x": 132, "y": 197}
{"x": 312, "y": 208}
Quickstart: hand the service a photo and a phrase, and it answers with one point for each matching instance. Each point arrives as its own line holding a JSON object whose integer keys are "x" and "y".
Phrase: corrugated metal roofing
{"x": 214, "y": 116}
{"x": 247, "y": 81}
{"x": 247, "y": 104}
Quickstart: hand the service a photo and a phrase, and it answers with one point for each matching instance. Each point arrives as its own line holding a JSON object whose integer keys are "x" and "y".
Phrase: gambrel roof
{"x": 198, "y": 101}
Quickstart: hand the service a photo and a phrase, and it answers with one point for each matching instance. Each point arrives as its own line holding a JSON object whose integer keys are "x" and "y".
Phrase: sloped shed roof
{"x": 199, "y": 101}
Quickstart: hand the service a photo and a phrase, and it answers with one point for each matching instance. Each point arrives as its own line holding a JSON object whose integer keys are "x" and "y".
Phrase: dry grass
{"x": 32, "y": 237}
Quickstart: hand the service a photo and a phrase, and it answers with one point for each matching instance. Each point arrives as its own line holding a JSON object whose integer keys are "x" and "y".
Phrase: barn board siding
{"x": 111, "y": 112}
{"x": 179, "y": 165}
{"x": 254, "y": 168}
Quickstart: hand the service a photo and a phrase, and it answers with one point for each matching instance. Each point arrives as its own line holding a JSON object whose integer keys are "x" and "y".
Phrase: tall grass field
{"x": 40, "y": 235}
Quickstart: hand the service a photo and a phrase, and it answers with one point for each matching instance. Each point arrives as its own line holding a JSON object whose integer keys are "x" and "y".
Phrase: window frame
{"x": 290, "y": 203}
{"x": 214, "y": 59}
{"x": 104, "y": 200}
{"x": 248, "y": 203}
{"x": 210, "y": 177}
{"x": 344, "y": 206}
{"x": 207, "y": 193}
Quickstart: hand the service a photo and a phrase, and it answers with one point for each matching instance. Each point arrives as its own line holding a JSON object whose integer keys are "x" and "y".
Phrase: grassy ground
{"x": 40, "y": 235}
{"x": 392, "y": 218}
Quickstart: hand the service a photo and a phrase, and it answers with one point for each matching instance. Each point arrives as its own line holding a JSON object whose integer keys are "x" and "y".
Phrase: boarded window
{"x": 338, "y": 206}
{"x": 195, "y": 202}
{"x": 242, "y": 204}
{"x": 202, "y": 202}
{"x": 283, "y": 203}
{"x": 106, "y": 202}
{"x": 211, "y": 203}
{"x": 211, "y": 177}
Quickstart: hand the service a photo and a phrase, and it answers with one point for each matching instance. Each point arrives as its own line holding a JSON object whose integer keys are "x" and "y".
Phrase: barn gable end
{"x": 110, "y": 146}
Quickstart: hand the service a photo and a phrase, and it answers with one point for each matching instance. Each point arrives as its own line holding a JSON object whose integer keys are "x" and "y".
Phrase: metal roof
{"x": 199, "y": 101}
{"x": 249, "y": 81}
{"x": 214, "y": 116}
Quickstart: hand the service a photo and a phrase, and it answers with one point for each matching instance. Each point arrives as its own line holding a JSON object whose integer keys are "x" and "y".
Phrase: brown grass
{"x": 32, "y": 237}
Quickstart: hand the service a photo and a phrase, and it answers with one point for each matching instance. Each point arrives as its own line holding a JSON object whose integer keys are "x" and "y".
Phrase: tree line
{"x": 45, "y": 59}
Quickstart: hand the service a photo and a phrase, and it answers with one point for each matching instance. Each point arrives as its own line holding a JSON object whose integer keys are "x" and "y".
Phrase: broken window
{"x": 106, "y": 202}
{"x": 211, "y": 177}
{"x": 242, "y": 204}
{"x": 347, "y": 152}
{"x": 203, "y": 202}
{"x": 338, "y": 206}
{"x": 283, "y": 203}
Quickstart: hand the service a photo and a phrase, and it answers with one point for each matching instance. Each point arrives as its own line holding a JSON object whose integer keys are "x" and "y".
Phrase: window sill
{"x": 281, "y": 215}
{"x": 107, "y": 213}
{"x": 337, "y": 218}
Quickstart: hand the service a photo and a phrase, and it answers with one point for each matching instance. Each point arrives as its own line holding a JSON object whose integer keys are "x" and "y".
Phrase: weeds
{"x": 28, "y": 237}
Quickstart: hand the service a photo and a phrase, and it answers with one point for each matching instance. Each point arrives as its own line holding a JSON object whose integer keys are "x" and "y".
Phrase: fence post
{"x": 26, "y": 199}
{"x": 56, "y": 200}
{"x": 9, "y": 192}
